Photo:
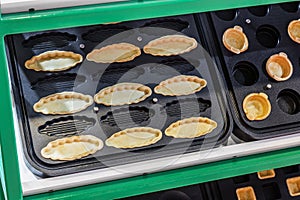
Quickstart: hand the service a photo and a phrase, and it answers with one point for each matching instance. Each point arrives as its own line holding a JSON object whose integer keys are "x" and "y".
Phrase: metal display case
{"x": 228, "y": 160}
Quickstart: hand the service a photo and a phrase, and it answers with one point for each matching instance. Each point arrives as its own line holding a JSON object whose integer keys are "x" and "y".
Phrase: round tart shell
{"x": 294, "y": 30}
{"x": 257, "y": 100}
{"x": 235, "y": 40}
{"x": 279, "y": 62}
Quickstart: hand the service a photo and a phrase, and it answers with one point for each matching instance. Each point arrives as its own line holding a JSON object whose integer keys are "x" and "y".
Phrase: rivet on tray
{"x": 248, "y": 21}
{"x": 96, "y": 109}
{"x": 155, "y": 100}
{"x": 139, "y": 38}
{"x": 268, "y": 86}
{"x": 82, "y": 46}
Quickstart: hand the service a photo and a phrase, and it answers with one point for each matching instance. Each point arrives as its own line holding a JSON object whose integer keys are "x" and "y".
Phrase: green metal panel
{"x": 1, "y": 178}
{"x": 1, "y": 192}
{"x": 95, "y": 14}
{"x": 11, "y": 178}
{"x": 176, "y": 178}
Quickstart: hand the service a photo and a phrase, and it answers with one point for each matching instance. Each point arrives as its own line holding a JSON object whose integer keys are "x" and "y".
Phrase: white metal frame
{"x": 14, "y": 6}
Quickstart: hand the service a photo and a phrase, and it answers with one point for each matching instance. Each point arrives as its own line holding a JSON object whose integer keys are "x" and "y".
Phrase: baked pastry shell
{"x": 169, "y": 39}
{"x": 127, "y": 47}
{"x": 170, "y": 130}
{"x": 294, "y": 30}
{"x": 245, "y": 193}
{"x": 121, "y": 87}
{"x": 293, "y": 185}
{"x": 263, "y": 100}
{"x": 111, "y": 141}
{"x": 266, "y": 174}
{"x": 235, "y": 40}
{"x": 279, "y": 62}
{"x": 48, "y": 55}
{"x": 181, "y": 78}
{"x": 63, "y": 95}
{"x": 59, "y": 144}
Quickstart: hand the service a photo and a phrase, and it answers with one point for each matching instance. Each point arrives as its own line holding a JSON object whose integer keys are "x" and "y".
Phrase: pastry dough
{"x": 180, "y": 85}
{"x": 121, "y": 52}
{"x": 72, "y": 148}
{"x": 63, "y": 103}
{"x": 53, "y": 61}
{"x": 235, "y": 40}
{"x": 134, "y": 137}
{"x": 170, "y": 45}
{"x": 122, "y": 93}
{"x": 279, "y": 67}
{"x": 294, "y": 30}
{"x": 257, "y": 106}
{"x": 191, "y": 127}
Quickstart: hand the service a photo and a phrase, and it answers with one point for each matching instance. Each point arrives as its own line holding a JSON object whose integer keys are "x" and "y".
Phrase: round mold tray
{"x": 290, "y": 7}
{"x": 245, "y": 73}
{"x": 268, "y": 36}
{"x": 174, "y": 195}
{"x": 289, "y": 101}
{"x": 227, "y": 15}
{"x": 259, "y": 11}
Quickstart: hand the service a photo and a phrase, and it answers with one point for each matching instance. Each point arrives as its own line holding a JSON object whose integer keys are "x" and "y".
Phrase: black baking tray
{"x": 265, "y": 189}
{"x": 225, "y": 189}
{"x": 266, "y": 29}
{"x": 37, "y": 130}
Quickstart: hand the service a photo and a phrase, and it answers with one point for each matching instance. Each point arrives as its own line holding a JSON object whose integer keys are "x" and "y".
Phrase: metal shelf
{"x": 11, "y": 180}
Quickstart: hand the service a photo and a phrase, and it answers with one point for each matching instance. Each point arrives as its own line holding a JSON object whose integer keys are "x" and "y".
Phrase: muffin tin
{"x": 272, "y": 187}
{"x": 245, "y": 73}
{"x": 102, "y": 121}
